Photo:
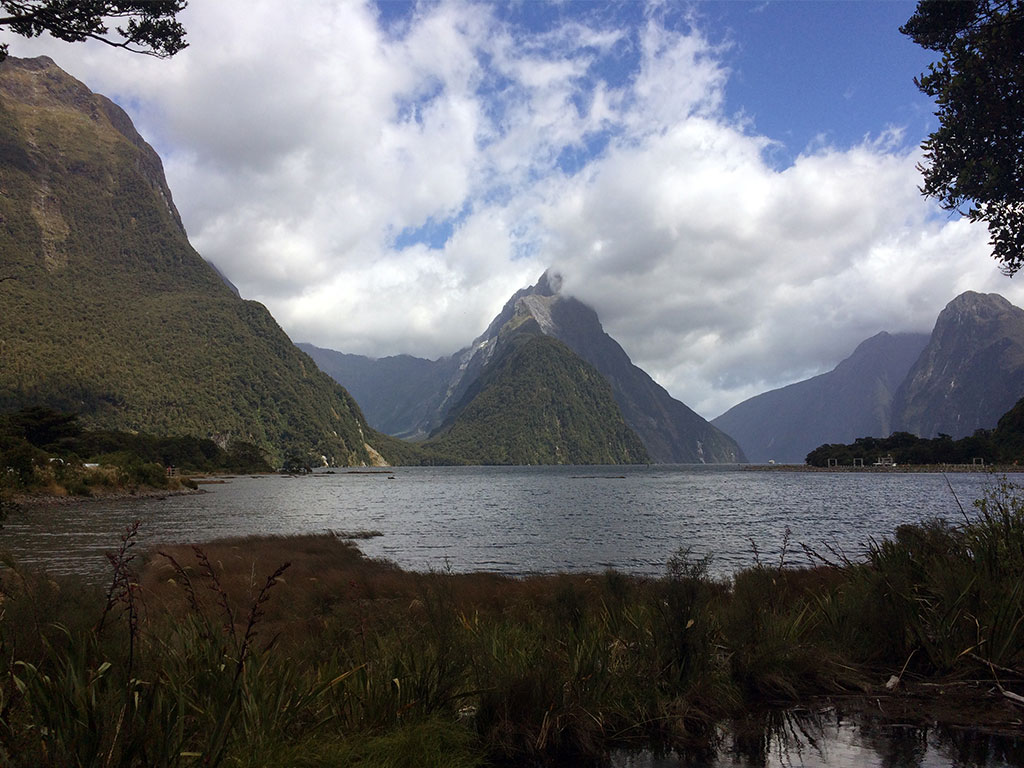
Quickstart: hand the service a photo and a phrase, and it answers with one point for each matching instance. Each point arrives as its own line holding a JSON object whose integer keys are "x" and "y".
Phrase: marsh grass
{"x": 299, "y": 651}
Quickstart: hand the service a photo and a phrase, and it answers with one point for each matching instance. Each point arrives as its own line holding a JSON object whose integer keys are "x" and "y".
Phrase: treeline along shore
{"x": 994, "y": 469}
{"x": 301, "y": 651}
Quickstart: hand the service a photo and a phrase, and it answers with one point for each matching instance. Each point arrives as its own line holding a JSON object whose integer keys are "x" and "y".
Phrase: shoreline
{"x": 936, "y": 469}
{"x": 120, "y": 494}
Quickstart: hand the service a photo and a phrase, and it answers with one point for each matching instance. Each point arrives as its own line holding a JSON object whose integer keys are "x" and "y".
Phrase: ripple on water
{"x": 540, "y": 518}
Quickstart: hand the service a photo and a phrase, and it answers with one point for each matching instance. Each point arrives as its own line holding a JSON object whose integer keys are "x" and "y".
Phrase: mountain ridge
{"x": 112, "y": 315}
{"x": 963, "y": 376}
{"x": 970, "y": 373}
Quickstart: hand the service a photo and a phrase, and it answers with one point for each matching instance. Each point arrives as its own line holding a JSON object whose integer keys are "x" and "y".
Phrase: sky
{"x": 732, "y": 185}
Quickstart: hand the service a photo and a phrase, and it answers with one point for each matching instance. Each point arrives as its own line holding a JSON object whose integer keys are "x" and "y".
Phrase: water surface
{"x": 521, "y": 519}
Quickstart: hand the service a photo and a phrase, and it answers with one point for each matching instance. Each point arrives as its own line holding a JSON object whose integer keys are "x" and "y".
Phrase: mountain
{"x": 410, "y": 397}
{"x": 538, "y": 403}
{"x": 107, "y": 311}
{"x": 852, "y": 400}
{"x": 400, "y": 396}
{"x": 970, "y": 373}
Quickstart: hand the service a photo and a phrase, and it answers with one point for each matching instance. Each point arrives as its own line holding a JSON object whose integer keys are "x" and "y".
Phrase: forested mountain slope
{"x": 108, "y": 312}
{"x": 538, "y": 403}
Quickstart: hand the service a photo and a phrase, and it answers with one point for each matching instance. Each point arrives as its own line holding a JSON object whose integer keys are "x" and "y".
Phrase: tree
{"x": 974, "y": 162}
{"x": 143, "y": 26}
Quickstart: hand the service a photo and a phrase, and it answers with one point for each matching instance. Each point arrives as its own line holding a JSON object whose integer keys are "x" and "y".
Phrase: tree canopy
{"x": 141, "y": 26}
{"x": 974, "y": 162}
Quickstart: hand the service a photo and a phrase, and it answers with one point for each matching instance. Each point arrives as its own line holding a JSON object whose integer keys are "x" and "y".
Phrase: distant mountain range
{"x": 411, "y": 397}
{"x": 108, "y": 312}
{"x": 850, "y": 401}
{"x": 962, "y": 377}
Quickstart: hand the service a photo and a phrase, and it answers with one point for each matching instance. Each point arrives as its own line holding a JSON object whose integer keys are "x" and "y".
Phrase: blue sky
{"x": 809, "y": 69}
{"x": 732, "y": 185}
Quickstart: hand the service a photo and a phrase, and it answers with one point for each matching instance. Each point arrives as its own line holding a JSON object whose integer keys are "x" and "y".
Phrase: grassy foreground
{"x": 228, "y": 655}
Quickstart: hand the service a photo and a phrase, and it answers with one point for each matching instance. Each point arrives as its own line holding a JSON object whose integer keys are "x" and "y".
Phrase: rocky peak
{"x": 550, "y": 283}
{"x": 539, "y": 308}
{"x": 971, "y": 307}
{"x": 971, "y": 371}
{"x": 548, "y": 286}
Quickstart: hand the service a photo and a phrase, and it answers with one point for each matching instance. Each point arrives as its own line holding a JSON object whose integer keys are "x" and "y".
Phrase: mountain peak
{"x": 549, "y": 284}
{"x": 970, "y": 373}
{"x": 970, "y": 304}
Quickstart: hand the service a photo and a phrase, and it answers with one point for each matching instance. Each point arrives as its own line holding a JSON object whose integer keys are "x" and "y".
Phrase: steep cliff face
{"x": 400, "y": 395}
{"x": 852, "y": 400}
{"x": 110, "y": 313}
{"x": 970, "y": 373}
{"x": 670, "y": 431}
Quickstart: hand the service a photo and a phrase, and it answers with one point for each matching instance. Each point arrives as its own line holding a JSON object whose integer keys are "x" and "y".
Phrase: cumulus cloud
{"x": 385, "y": 186}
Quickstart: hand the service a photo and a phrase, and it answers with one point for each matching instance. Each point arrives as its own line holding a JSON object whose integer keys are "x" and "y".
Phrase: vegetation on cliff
{"x": 107, "y": 310}
{"x": 538, "y": 403}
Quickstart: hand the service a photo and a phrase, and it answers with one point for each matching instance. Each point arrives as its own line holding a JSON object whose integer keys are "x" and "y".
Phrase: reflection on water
{"x": 828, "y": 739}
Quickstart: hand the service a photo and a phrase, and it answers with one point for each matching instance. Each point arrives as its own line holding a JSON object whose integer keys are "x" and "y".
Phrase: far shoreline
{"x": 121, "y": 494}
{"x": 938, "y": 469}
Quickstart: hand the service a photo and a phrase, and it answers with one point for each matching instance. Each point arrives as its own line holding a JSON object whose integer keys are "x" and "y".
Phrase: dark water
{"x": 521, "y": 519}
{"x": 526, "y": 519}
{"x": 828, "y": 739}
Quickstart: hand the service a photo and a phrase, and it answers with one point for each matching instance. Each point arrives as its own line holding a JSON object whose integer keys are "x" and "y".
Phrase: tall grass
{"x": 299, "y": 651}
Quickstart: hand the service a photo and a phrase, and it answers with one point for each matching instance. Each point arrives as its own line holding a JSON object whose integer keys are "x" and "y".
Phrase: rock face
{"x": 420, "y": 394}
{"x": 111, "y": 314}
{"x": 970, "y": 373}
{"x": 400, "y": 396}
{"x": 852, "y": 400}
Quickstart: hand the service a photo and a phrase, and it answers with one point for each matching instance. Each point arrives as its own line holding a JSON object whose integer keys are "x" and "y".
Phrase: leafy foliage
{"x": 976, "y": 157}
{"x": 151, "y": 25}
{"x": 906, "y": 448}
{"x": 40, "y": 447}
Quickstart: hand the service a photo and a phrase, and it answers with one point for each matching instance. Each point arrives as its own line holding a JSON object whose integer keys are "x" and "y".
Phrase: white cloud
{"x": 299, "y": 148}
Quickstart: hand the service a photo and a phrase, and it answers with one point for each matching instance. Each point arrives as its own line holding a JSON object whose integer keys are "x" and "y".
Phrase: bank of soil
{"x": 100, "y": 494}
